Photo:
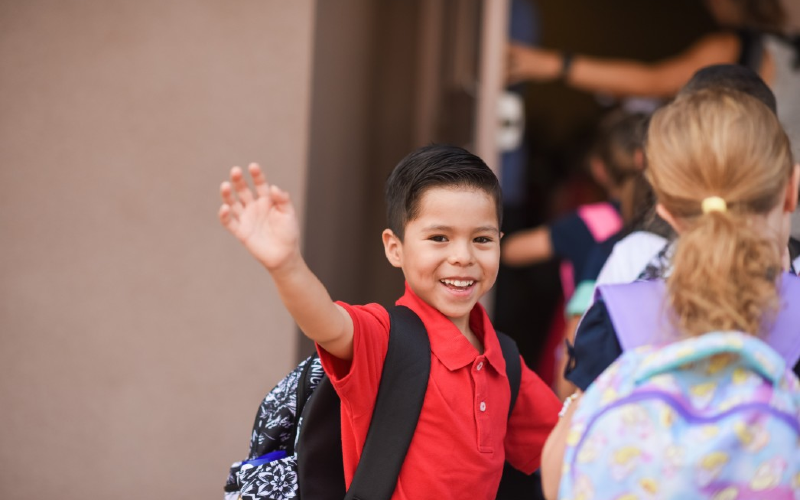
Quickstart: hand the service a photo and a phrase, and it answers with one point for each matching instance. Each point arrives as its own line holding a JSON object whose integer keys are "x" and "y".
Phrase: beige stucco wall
{"x": 136, "y": 337}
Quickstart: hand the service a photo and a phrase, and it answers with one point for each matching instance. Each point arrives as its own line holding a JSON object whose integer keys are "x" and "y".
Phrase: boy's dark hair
{"x": 731, "y": 76}
{"x": 435, "y": 166}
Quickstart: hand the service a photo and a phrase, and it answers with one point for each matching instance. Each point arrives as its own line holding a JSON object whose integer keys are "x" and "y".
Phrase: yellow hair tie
{"x": 714, "y": 204}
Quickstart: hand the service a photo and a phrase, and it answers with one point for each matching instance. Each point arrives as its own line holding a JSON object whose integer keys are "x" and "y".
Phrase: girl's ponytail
{"x": 723, "y": 277}
{"x": 716, "y": 160}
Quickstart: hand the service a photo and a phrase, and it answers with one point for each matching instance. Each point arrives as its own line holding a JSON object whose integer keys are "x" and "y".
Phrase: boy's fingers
{"x": 259, "y": 181}
{"x": 280, "y": 198}
{"x": 240, "y": 185}
{"x": 226, "y": 191}
{"x": 227, "y": 219}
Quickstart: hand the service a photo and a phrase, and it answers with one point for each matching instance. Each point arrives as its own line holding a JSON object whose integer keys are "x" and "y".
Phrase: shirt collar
{"x": 448, "y": 344}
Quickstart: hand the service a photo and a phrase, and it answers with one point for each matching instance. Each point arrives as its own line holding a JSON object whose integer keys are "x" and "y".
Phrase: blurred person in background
{"x": 751, "y": 33}
{"x": 615, "y": 161}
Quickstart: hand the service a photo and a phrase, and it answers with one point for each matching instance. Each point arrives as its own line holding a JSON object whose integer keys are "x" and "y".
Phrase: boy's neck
{"x": 466, "y": 331}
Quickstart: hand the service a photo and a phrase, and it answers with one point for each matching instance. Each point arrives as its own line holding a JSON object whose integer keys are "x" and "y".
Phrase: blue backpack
{"x": 715, "y": 416}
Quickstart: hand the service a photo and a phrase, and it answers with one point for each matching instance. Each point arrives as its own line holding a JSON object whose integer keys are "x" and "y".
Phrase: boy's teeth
{"x": 460, "y": 283}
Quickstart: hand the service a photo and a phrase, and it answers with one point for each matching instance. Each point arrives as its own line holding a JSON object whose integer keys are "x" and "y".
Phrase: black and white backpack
{"x": 295, "y": 446}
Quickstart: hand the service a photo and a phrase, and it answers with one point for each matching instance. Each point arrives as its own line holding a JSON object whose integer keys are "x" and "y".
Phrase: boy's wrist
{"x": 291, "y": 265}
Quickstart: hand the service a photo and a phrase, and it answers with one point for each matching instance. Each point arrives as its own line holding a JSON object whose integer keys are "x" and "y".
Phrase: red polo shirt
{"x": 464, "y": 434}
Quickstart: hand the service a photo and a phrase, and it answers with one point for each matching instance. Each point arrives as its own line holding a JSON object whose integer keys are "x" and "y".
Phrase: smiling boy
{"x": 444, "y": 211}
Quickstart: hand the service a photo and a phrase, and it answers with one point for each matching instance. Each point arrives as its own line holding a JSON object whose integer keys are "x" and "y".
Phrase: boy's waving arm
{"x": 264, "y": 221}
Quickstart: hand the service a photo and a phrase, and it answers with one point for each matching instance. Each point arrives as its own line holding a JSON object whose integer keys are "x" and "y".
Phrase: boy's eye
{"x": 483, "y": 239}
{"x": 438, "y": 238}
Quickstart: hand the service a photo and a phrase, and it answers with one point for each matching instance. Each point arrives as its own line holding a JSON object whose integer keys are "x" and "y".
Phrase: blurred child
{"x": 751, "y": 33}
{"x": 615, "y": 161}
{"x": 444, "y": 233}
{"x": 709, "y": 407}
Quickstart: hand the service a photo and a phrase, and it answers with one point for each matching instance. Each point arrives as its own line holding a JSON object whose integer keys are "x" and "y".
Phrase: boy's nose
{"x": 461, "y": 254}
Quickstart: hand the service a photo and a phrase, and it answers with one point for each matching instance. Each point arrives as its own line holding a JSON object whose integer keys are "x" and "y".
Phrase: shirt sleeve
{"x": 583, "y": 297}
{"x": 534, "y": 416}
{"x": 629, "y": 257}
{"x": 357, "y": 381}
{"x": 597, "y": 257}
{"x": 617, "y": 268}
{"x": 571, "y": 239}
{"x": 596, "y": 347}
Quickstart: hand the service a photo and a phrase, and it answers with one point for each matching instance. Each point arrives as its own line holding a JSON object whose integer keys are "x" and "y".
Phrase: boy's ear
{"x": 664, "y": 214}
{"x": 790, "y": 201}
{"x": 393, "y": 248}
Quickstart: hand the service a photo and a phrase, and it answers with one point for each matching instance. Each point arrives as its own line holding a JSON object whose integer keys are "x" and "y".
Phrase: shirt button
{"x": 480, "y": 366}
{"x": 483, "y": 406}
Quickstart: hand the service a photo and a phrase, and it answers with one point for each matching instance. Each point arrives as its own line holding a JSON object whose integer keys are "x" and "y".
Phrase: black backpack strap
{"x": 515, "y": 484}
{"x": 794, "y": 252}
{"x": 751, "y": 52}
{"x": 794, "y": 41}
{"x": 397, "y": 407}
{"x": 302, "y": 394}
{"x": 320, "y": 471}
{"x": 513, "y": 366}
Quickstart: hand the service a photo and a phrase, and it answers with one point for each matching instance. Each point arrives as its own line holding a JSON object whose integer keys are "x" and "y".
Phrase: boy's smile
{"x": 450, "y": 252}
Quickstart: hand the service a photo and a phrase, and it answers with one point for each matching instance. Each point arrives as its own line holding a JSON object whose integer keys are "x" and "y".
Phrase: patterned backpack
{"x": 271, "y": 468}
{"x": 715, "y": 416}
{"x": 295, "y": 446}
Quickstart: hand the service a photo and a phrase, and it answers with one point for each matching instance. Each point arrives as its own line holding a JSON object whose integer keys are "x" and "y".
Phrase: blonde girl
{"x": 722, "y": 170}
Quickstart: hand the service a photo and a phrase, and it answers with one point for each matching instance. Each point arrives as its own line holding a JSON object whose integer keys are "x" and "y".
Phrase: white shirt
{"x": 629, "y": 257}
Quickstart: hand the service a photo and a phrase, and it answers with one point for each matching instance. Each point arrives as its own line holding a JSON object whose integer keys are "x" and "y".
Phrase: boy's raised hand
{"x": 263, "y": 218}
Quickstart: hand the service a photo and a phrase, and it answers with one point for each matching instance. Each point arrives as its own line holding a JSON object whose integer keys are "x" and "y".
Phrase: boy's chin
{"x": 455, "y": 312}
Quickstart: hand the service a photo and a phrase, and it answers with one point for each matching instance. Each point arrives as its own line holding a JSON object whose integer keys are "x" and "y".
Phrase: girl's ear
{"x": 638, "y": 159}
{"x": 393, "y": 248}
{"x": 599, "y": 172}
{"x": 790, "y": 201}
{"x": 664, "y": 214}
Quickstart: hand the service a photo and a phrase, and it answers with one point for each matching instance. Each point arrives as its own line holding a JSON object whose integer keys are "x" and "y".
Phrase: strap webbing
{"x": 397, "y": 407}
{"x": 513, "y": 366}
{"x": 640, "y": 317}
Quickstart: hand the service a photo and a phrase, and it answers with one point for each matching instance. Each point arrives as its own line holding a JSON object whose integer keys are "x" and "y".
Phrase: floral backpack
{"x": 715, "y": 416}
{"x": 295, "y": 445}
